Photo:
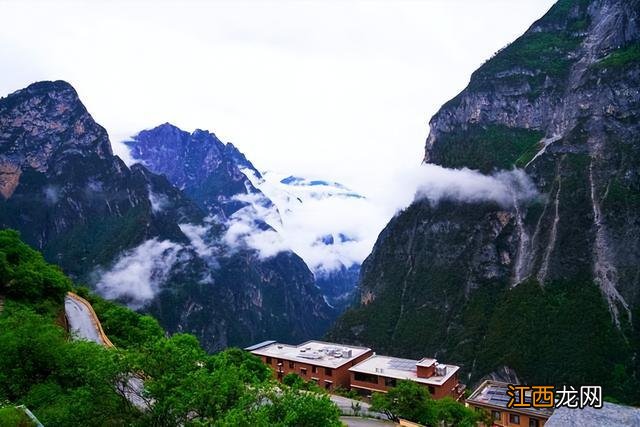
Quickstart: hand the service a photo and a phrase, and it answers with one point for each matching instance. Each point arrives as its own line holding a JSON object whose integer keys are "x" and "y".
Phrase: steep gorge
{"x": 548, "y": 287}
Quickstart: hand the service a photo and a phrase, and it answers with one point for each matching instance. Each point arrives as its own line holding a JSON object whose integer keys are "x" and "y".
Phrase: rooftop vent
{"x": 441, "y": 370}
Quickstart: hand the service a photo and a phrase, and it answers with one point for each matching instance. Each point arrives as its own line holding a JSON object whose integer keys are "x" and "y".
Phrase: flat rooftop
{"x": 494, "y": 394}
{"x": 317, "y": 353}
{"x": 403, "y": 369}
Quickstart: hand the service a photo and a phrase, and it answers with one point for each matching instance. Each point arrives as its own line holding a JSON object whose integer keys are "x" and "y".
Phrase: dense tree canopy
{"x": 67, "y": 383}
{"x": 24, "y": 274}
{"x": 412, "y": 401}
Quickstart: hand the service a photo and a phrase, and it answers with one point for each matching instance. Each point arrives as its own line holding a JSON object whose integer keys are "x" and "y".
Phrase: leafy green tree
{"x": 124, "y": 327}
{"x": 29, "y": 346}
{"x": 293, "y": 408}
{"x": 66, "y": 382}
{"x": 293, "y": 380}
{"x": 407, "y": 400}
{"x": 455, "y": 414}
{"x": 251, "y": 368}
{"x": 24, "y": 274}
{"x": 285, "y": 408}
{"x": 296, "y": 382}
{"x": 412, "y": 401}
{"x": 11, "y": 416}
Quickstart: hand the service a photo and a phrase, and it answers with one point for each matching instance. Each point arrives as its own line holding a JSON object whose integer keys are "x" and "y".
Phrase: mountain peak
{"x": 51, "y": 86}
{"x": 198, "y": 163}
{"x": 53, "y": 92}
{"x": 46, "y": 87}
{"x": 172, "y": 132}
{"x": 44, "y": 121}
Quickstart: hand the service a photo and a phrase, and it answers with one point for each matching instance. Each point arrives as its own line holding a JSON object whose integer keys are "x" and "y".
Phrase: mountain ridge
{"x": 71, "y": 198}
{"x": 474, "y": 282}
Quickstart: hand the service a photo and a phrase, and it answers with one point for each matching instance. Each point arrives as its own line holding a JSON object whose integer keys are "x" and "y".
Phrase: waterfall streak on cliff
{"x": 542, "y": 274}
{"x": 605, "y": 273}
{"x": 523, "y": 256}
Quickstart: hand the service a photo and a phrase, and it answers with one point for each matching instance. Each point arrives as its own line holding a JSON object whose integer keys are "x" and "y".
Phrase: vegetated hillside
{"x": 551, "y": 287}
{"x": 135, "y": 236}
{"x": 66, "y": 382}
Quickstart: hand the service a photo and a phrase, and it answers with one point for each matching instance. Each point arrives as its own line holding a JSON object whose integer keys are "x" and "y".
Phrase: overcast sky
{"x": 333, "y": 89}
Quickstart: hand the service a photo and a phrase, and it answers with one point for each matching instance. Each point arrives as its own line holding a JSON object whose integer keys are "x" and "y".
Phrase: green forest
{"x": 70, "y": 382}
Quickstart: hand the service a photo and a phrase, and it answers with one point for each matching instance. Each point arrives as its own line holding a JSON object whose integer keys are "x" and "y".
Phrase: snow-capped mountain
{"x": 319, "y": 220}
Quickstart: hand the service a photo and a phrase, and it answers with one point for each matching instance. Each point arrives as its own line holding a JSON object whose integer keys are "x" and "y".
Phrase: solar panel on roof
{"x": 402, "y": 364}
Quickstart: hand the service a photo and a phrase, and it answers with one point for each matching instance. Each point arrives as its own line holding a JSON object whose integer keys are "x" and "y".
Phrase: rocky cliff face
{"x": 542, "y": 285}
{"x": 137, "y": 237}
{"x": 204, "y": 168}
{"x": 61, "y": 180}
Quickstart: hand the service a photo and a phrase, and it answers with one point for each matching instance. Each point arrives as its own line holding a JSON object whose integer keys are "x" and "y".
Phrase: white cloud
{"x": 196, "y": 235}
{"x": 335, "y": 89}
{"x": 341, "y": 90}
{"x": 465, "y": 185}
{"x": 310, "y": 213}
{"x": 138, "y": 274}
{"x": 158, "y": 201}
{"x": 246, "y": 230}
{"x": 306, "y": 215}
{"x": 52, "y": 194}
{"x": 121, "y": 149}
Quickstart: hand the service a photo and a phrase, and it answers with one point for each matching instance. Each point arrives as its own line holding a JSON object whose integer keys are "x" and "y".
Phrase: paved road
{"x": 346, "y": 407}
{"x": 81, "y": 323}
{"x": 84, "y": 326}
{"x": 365, "y": 422}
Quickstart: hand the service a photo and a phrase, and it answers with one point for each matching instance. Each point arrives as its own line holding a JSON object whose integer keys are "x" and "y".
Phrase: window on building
{"x": 269, "y": 361}
{"x": 314, "y": 369}
{"x": 303, "y": 372}
{"x": 533, "y": 422}
{"x": 280, "y": 362}
{"x": 432, "y": 390}
{"x": 514, "y": 419}
{"x": 327, "y": 372}
{"x": 292, "y": 365}
{"x": 496, "y": 415}
{"x": 390, "y": 382}
{"x": 327, "y": 385}
{"x": 367, "y": 378}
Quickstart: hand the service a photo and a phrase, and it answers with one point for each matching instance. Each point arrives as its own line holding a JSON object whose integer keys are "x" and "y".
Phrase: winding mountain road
{"x": 83, "y": 323}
